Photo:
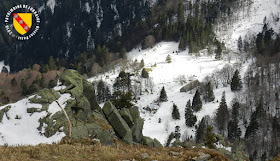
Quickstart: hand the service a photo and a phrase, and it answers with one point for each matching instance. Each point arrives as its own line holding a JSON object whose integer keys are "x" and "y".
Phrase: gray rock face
{"x": 134, "y": 112}
{"x": 125, "y": 114}
{"x": 137, "y": 130}
{"x": 3, "y": 112}
{"x": 83, "y": 111}
{"x": 144, "y": 156}
{"x": 150, "y": 142}
{"x": 117, "y": 122}
{"x": 190, "y": 86}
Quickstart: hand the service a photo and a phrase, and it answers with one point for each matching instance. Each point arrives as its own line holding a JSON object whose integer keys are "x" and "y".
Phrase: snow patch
{"x": 51, "y": 4}
{"x": 87, "y": 7}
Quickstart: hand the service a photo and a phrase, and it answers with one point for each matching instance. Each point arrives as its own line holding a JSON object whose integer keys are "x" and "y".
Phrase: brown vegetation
{"x": 10, "y": 92}
{"x": 92, "y": 150}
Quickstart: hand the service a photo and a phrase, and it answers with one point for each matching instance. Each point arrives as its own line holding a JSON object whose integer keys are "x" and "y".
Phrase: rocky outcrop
{"x": 190, "y": 86}
{"x": 87, "y": 118}
{"x": 120, "y": 126}
{"x": 83, "y": 110}
{"x": 3, "y": 112}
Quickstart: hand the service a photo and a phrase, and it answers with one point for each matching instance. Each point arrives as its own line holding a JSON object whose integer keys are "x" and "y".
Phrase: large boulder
{"x": 134, "y": 112}
{"x": 118, "y": 123}
{"x": 190, "y": 86}
{"x": 150, "y": 142}
{"x": 137, "y": 130}
{"x": 126, "y": 116}
{"x": 4, "y": 111}
{"x": 45, "y": 96}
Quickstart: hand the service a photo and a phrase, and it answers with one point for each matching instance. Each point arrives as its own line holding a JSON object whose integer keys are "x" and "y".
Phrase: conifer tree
{"x": 144, "y": 73}
{"x": 222, "y": 115}
{"x": 201, "y": 131}
{"x": 24, "y": 87}
{"x": 168, "y": 59}
{"x": 189, "y": 104}
{"x": 240, "y": 44}
{"x": 253, "y": 126}
{"x": 123, "y": 53}
{"x": 175, "y": 112}
{"x": 234, "y": 131}
{"x": 210, "y": 138}
{"x": 182, "y": 45}
{"x": 163, "y": 96}
{"x": 219, "y": 51}
{"x": 235, "y": 111}
{"x": 190, "y": 118}
{"x": 236, "y": 83}
{"x": 101, "y": 91}
{"x": 52, "y": 65}
{"x": 142, "y": 64}
{"x": 197, "y": 103}
{"x": 14, "y": 82}
{"x": 177, "y": 133}
{"x": 260, "y": 43}
{"x": 209, "y": 95}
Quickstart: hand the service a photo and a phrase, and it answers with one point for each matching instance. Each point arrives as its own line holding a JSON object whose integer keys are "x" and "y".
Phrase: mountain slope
{"x": 247, "y": 21}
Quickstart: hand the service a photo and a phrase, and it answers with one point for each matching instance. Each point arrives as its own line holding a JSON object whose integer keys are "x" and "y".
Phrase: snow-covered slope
{"x": 166, "y": 74}
{"x": 249, "y": 21}
{"x": 18, "y": 127}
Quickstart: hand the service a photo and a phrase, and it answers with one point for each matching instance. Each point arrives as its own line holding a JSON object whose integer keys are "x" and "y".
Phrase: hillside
{"x": 92, "y": 150}
{"x": 144, "y": 80}
{"x": 247, "y": 21}
{"x": 167, "y": 74}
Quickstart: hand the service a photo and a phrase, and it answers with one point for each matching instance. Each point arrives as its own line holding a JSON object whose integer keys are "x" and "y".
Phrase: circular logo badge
{"x": 22, "y": 22}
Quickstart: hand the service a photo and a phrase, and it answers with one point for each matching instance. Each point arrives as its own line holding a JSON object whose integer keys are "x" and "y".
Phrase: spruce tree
{"x": 197, "y": 103}
{"x": 189, "y": 104}
{"x": 219, "y": 51}
{"x": 201, "y": 131}
{"x": 24, "y": 87}
{"x": 209, "y": 95}
{"x": 52, "y": 65}
{"x": 101, "y": 91}
{"x": 144, "y": 73}
{"x": 260, "y": 43}
{"x": 236, "y": 83}
{"x": 14, "y": 82}
{"x": 234, "y": 131}
{"x": 177, "y": 133}
{"x": 142, "y": 64}
{"x": 163, "y": 96}
{"x": 222, "y": 115}
{"x": 168, "y": 59}
{"x": 182, "y": 45}
{"x": 240, "y": 44}
{"x": 123, "y": 53}
{"x": 190, "y": 118}
{"x": 175, "y": 113}
{"x": 253, "y": 126}
{"x": 210, "y": 138}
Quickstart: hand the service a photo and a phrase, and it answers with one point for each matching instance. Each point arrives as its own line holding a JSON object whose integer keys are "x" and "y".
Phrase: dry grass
{"x": 276, "y": 158}
{"x": 94, "y": 151}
